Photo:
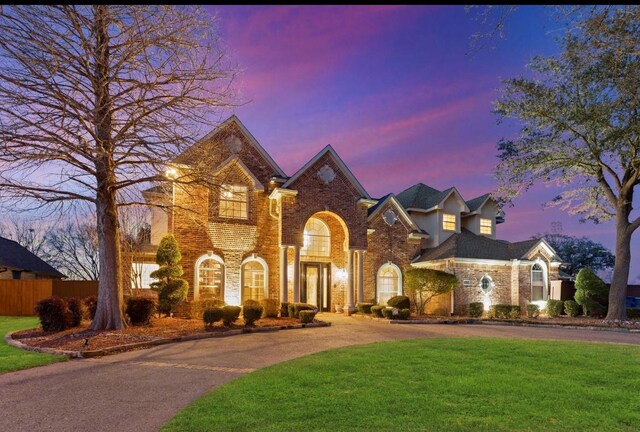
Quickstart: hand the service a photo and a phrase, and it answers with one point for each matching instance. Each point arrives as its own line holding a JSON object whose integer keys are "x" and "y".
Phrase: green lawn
{"x": 433, "y": 385}
{"x": 11, "y": 358}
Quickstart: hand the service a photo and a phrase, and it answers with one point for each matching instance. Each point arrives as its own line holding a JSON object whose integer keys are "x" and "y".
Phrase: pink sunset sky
{"x": 399, "y": 92}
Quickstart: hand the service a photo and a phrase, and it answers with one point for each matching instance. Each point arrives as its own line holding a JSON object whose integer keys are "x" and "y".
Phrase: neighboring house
{"x": 318, "y": 237}
{"x": 16, "y": 262}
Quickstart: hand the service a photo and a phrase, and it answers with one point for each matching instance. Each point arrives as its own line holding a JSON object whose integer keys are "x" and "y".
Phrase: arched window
{"x": 317, "y": 239}
{"x": 486, "y": 284}
{"x": 209, "y": 277}
{"x": 538, "y": 283}
{"x": 255, "y": 281}
{"x": 389, "y": 282}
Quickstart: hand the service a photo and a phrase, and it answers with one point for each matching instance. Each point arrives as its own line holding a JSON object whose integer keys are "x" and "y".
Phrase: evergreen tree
{"x": 170, "y": 288}
{"x": 591, "y": 292}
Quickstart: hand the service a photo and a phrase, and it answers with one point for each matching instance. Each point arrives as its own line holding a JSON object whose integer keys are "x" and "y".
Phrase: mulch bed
{"x": 83, "y": 339}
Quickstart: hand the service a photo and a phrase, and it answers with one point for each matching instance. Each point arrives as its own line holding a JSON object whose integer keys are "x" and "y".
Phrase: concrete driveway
{"x": 140, "y": 390}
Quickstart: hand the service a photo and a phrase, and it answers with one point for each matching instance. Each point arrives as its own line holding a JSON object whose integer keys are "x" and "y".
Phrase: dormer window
{"x": 449, "y": 222}
{"x": 486, "y": 226}
{"x": 233, "y": 201}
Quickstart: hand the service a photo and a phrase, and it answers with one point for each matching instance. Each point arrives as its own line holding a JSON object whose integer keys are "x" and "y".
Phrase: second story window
{"x": 486, "y": 227}
{"x": 449, "y": 222}
{"x": 233, "y": 201}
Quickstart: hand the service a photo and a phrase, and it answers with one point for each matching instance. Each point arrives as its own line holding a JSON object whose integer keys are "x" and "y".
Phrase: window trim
{"x": 455, "y": 222}
{"x": 491, "y": 284}
{"x": 545, "y": 280}
{"x": 196, "y": 274}
{"x": 265, "y": 271}
{"x": 490, "y": 226}
{"x": 245, "y": 201}
{"x": 398, "y": 272}
{"x": 304, "y": 249}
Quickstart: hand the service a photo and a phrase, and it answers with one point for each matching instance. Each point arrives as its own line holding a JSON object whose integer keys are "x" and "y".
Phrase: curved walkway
{"x": 140, "y": 390}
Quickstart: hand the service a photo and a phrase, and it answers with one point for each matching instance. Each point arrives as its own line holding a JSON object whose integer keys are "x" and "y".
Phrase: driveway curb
{"x": 148, "y": 344}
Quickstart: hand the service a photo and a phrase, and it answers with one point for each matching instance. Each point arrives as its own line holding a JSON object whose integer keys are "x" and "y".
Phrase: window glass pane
{"x": 388, "y": 281}
{"x": 253, "y": 279}
{"x": 485, "y": 226}
{"x": 211, "y": 278}
{"x": 233, "y": 201}
{"x": 449, "y": 222}
{"x": 317, "y": 240}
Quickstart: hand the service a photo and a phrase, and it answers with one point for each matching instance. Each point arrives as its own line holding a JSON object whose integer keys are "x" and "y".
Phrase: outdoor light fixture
{"x": 342, "y": 274}
{"x": 171, "y": 173}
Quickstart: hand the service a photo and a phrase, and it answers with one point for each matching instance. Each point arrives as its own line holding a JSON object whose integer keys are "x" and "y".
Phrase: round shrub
{"x": 211, "y": 316}
{"x": 515, "y": 312}
{"x": 571, "y": 308}
{"x": 53, "y": 314}
{"x": 554, "y": 308}
{"x": 365, "y": 308}
{"x": 76, "y": 309}
{"x": 269, "y": 308}
{"x": 284, "y": 310}
{"x": 404, "y": 314}
{"x": 501, "y": 311}
{"x": 91, "y": 305}
{"x": 307, "y": 316}
{"x": 399, "y": 302}
{"x": 533, "y": 310}
{"x": 140, "y": 310}
{"x": 476, "y": 309}
{"x": 251, "y": 312}
{"x": 230, "y": 314}
{"x": 390, "y": 313}
{"x": 376, "y": 311}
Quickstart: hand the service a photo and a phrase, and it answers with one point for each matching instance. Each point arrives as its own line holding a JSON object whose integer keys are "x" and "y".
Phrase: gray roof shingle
{"x": 14, "y": 256}
{"x": 421, "y": 196}
{"x": 475, "y": 203}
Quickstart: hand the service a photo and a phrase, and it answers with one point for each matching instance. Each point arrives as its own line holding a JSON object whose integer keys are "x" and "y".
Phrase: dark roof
{"x": 475, "y": 203}
{"x": 378, "y": 204}
{"x": 469, "y": 245}
{"x": 14, "y": 256}
{"x": 422, "y": 196}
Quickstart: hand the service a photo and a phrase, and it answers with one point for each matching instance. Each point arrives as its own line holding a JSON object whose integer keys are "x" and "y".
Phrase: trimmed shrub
{"x": 230, "y": 314}
{"x": 297, "y": 307}
{"x": 53, "y": 314}
{"x": 284, "y": 310}
{"x": 251, "y": 312}
{"x": 211, "y": 316}
{"x": 307, "y": 316}
{"x": 390, "y": 313}
{"x": 423, "y": 285}
{"x": 571, "y": 308}
{"x": 269, "y": 308}
{"x": 633, "y": 313}
{"x": 476, "y": 309}
{"x": 376, "y": 311}
{"x": 76, "y": 308}
{"x": 291, "y": 310}
{"x": 399, "y": 302}
{"x": 170, "y": 288}
{"x": 554, "y": 308}
{"x": 591, "y": 293}
{"x": 365, "y": 308}
{"x": 515, "y": 312}
{"x": 91, "y": 305}
{"x": 404, "y": 314}
{"x": 533, "y": 310}
{"x": 195, "y": 308}
{"x": 140, "y": 309}
{"x": 501, "y": 311}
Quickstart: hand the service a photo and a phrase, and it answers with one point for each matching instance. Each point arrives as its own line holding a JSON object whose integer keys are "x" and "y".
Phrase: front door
{"x": 316, "y": 285}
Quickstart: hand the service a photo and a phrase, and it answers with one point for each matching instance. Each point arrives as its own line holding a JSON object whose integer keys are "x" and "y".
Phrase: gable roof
{"x": 423, "y": 197}
{"x": 236, "y": 160}
{"x": 469, "y": 245}
{"x": 391, "y": 198}
{"x": 14, "y": 256}
{"x": 476, "y": 203}
{"x": 183, "y": 158}
{"x": 343, "y": 167}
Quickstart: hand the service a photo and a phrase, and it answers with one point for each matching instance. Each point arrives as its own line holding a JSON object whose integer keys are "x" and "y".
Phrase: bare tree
{"x": 94, "y": 101}
{"x": 73, "y": 249}
{"x": 136, "y": 240}
{"x": 28, "y": 234}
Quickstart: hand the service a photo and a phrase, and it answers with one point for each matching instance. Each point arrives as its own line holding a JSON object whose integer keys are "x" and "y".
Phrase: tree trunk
{"x": 618, "y": 290}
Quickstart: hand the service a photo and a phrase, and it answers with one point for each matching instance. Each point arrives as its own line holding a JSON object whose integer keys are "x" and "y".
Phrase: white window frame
{"x": 265, "y": 273}
{"x": 311, "y": 238}
{"x": 491, "y": 284}
{"x": 196, "y": 274}
{"x": 486, "y": 226}
{"x": 445, "y": 222}
{"x": 545, "y": 280}
{"x": 244, "y": 204}
{"x": 379, "y": 275}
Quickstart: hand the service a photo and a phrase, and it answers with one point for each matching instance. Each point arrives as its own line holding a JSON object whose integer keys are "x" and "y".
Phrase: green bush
{"x": 297, "y": 307}
{"x": 53, "y": 314}
{"x": 140, "y": 310}
{"x": 307, "y": 316}
{"x": 251, "y": 312}
{"x": 76, "y": 309}
{"x": 291, "y": 310}
{"x": 365, "y": 308}
{"x": 533, "y": 310}
{"x": 230, "y": 314}
{"x": 91, "y": 305}
{"x": 591, "y": 293}
{"x": 284, "y": 309}
{"x": 404, "y": 314}
{"x": 269, "y": 308}
{"x": 388, "y": 313}
{"x": 515, "y": 312}
{"x": 571, "y": 308}
{"x": 376, "y": 311}
{"x": 501, "y": 311}
{"x": 195, "y": 308}
{"x": 399, "y": 302}
{"x": 423, "y": 285}
{"x": 476, "y": 309}
{"x": 170, "y": 288}
{"x": 554, "y": 308}
{"x": 633, "y": 313}
{"x": 212, "y": 315}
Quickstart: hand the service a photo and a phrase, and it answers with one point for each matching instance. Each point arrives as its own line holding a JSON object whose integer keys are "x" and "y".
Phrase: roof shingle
{"x": 14, "y": 256}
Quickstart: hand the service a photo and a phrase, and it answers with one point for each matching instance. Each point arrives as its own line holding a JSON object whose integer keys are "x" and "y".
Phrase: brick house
{"x": 318, "y": 237}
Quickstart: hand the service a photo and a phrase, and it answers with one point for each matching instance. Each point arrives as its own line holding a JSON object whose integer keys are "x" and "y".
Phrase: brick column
{"x": 360, "y": 276}
{"x": 349, "y": 306}
{"x": 284, "y": 277}
{"x": 515, "y": 282}
{"x": 296, "y": 274}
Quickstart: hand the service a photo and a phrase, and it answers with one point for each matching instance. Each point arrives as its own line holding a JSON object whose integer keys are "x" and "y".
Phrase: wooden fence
{"x": 19, "y": 297}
